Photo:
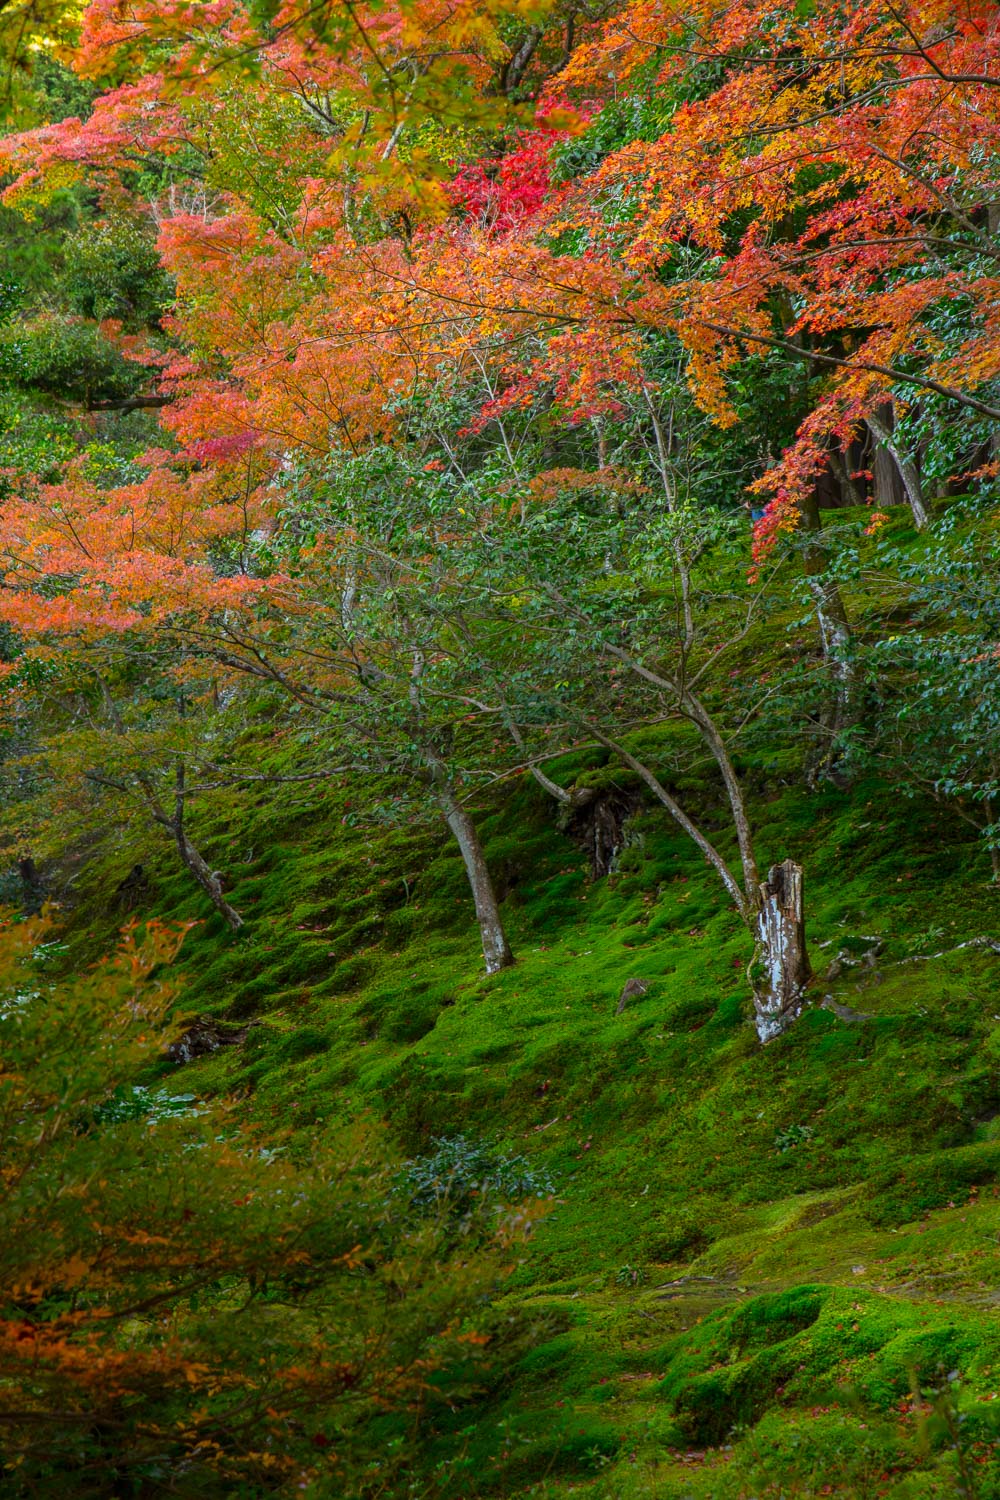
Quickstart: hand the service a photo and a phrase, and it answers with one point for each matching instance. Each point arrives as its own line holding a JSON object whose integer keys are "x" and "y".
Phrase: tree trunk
{"x": 708, "y": 849}
{"x": 670, "y": 496}
{"x": 840, "y": 467}
{"x": 993, "y": 848}
{"x": 836, "y": 638}
{"x": 496, "y": 949}
{"x": 695, "y": 711}
{"x": 913, "y": 485}
{"x": 775, "y": 917}
{"x": 208, "y": 879}
{"x": 781, "y": 951}
{"x": 32, "y": 885}
{"x": 882, "y": 427}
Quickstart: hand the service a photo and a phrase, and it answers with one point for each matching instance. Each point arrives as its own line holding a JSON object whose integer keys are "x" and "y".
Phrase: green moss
{"x": 913, "y": 1187}
{"x": 305, "y": 1041}
{"x": 785, "y": 1301}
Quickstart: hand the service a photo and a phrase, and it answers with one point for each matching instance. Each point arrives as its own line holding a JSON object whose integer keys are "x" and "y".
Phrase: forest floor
{"x": 765, "y": 1271}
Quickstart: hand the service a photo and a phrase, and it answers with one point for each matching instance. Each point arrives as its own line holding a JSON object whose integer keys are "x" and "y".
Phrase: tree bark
{"x": 193, "y": 862}
{"x": 835, "y": 636}
{"x": 670, "y": 496}
{"x": 692, "y": 709}
{"x": 781, "y": 951}
{"x": 209, "y": 879}
{"x": 572, "y": 799}
{"x": 659, "y": 791}
{"x": 882, "y": 427}
{"x": 496, "y": 949}
{"x": 711, "y": 735}
{"x": 206, "y": 877}
{"x": 517, "y": 65}
{"x": 841, "y": 469}
{"x": 994, "y": 850}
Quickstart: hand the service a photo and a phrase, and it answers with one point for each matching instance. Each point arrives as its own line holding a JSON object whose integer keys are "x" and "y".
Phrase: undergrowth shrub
{"x": 180, "y": 1303}
{"x": 461, "y": 1174}
{"x": 135, "y": 1102}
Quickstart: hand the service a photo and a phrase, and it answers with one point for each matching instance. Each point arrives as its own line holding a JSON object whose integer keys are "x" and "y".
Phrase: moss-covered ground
{"x": 767, "y": 1271}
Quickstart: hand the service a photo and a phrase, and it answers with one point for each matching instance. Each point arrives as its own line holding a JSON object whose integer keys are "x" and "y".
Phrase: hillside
{"x": 765, "y": 1271}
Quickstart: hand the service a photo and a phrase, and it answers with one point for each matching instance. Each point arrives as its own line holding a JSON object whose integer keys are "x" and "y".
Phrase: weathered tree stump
{"x": 595, "y": 819}
{"x": 781, "y": 951}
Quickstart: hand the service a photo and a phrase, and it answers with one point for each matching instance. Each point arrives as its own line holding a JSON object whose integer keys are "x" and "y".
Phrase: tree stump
{"x": 781, "y": 951}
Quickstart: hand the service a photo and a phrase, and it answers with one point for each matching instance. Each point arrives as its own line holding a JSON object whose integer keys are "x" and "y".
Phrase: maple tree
{"x": 597, "y": 631}
{"x": 354, "y": 631}
{"x": 94, "y": 571}
{"x": 360, "y": 260}
{"x": 421, "y": 397}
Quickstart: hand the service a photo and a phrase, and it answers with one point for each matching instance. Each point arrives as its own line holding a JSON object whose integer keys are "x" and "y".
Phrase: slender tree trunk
{"x": 836, "y": 638}
{"x": 712, "y": 737}
{"x": 659, "y": 791}
{"x": 570, "y": 800}
{"x": 207, "y": 878}
{"x": 994, "y": 849}
{"x": 781, "y": 970}
{"x": 831, "y": 612}
{"x": 882, "y": 427}
{"x": 913, "y": 486}
{"x": 841, "y": 469}
{"x": 496, "y": 949}
{"x": 692, "y": 708}
{"x": 670, "y": 496}
{"x": 515, "y": 69}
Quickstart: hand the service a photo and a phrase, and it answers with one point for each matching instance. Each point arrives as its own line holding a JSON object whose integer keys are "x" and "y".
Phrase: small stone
{"x": 631, "y": 990}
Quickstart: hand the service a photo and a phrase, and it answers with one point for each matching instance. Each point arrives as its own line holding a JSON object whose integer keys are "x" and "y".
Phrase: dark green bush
{"x": 67, "y": 357}
{"x": 112, "y": 270}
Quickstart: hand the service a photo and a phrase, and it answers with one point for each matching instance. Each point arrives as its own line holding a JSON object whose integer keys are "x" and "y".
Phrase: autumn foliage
{"x": 445, "y": 227}
{"x": 176, "y": 1295}
{"x": 458, "y": 292}
{"x": 475, "y": 327}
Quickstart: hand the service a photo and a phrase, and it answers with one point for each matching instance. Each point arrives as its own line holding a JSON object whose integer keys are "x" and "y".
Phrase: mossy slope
{"x": 769, "y": 1272}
